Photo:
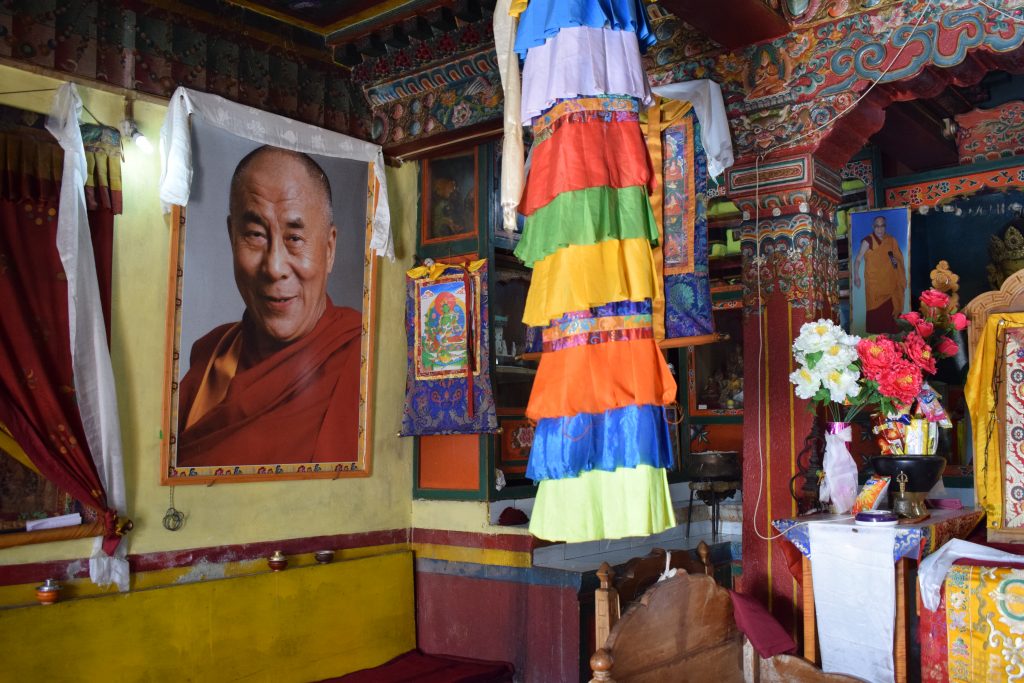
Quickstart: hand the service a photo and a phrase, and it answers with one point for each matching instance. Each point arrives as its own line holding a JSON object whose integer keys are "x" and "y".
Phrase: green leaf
{"x": 813, "y": 358}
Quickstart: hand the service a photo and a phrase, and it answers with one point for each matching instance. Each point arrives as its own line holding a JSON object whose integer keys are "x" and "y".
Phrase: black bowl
{"x": 923, "y": 471}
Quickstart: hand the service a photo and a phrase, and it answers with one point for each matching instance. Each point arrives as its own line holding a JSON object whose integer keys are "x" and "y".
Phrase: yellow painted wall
{"x": 225, "y": 514}
{"x": 308, "y": 624}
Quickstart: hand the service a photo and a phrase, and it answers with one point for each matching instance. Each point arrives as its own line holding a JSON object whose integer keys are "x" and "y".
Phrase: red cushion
{"x": 423, "y": 668}
{"x": 763, "y": 631}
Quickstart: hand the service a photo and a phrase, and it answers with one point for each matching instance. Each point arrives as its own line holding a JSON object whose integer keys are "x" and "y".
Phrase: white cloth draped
{"x": 931, "y": 573}
{"x": 268, "y": 129}
{"x": 855, "y": 598}
{"x": 90, "y": 357}
{"x": 513, "y": 173}
{"x": 583, "y": 61}
{"x": 706, "y": 98}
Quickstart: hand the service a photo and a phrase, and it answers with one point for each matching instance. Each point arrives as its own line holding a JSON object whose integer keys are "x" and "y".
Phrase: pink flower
{"x": 901, "y": 383}
{"x": 934, "y": 298}
{"x": 877, "y": 354}
{"x": 921, "y": 326}
{"x": 959, "y": 321}
{"x": 913, "y": 318}
{"x": 920, "y": 354}
{"x": 947, "y": 347}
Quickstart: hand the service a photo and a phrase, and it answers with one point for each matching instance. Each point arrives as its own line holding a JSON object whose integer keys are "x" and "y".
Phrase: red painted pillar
{"x": 790, "y": 276}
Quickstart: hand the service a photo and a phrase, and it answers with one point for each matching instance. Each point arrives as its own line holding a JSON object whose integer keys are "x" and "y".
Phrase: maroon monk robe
{"x": 300, "y": 404}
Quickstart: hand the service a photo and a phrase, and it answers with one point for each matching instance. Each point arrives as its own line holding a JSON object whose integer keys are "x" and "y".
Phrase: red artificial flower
{"x": 901, "y": 383}
{"x": 934, "y": 298}
{"x": 959, "y": 321}
{"x": 877, "y": 354}
{"x": 921, "y": 326}
{"x": 947, "y": 347}
{"x": 920, "y": 354}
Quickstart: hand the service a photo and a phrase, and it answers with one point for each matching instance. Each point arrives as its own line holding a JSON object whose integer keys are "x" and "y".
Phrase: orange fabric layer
{"x": 578, "y": 277}
{"x": 582, "y": 155}
{"x": 597, "y": 377}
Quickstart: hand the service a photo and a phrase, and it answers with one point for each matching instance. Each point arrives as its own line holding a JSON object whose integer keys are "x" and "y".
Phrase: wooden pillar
{"x": 790, "y": 276}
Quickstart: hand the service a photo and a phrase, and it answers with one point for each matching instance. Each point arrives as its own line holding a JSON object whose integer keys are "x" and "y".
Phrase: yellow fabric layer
{"x": 600, "y": 505}
{"x": 988, "y": 475}
{"x": 517, "y": 7}
{"x": 578, "y": 277}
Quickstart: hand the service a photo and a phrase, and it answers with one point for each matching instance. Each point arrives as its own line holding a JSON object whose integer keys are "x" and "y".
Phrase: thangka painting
{"x": 443, "y": 323}
{"x": 685, "y": 244}
{"x": 448, "y": 389}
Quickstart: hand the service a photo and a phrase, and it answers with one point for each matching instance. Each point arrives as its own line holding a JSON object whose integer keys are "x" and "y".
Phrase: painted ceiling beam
{"x": 730, "y": 23}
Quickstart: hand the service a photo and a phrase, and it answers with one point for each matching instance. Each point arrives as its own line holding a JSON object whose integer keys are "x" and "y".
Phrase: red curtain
{"x": 37, "y": 395}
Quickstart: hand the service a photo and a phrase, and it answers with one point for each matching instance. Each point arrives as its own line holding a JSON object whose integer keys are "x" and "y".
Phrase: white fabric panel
{"x": 583, "y": 61}
{"x": 931, "y": 573}
{"x": 706, "y": 98}
{"x": 268, "y": 129}
{"x": 512, "y": 171}
{"x": 90, "y": 357}
{"x": 855, "y": 598}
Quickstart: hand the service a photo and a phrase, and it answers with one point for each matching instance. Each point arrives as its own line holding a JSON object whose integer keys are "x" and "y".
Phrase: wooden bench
{"x": 681, "y": 629}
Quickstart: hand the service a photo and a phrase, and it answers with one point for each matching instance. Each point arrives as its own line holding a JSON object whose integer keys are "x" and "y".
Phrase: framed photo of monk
{"x": 879, "y": 269}
{"x": 271, "y": 321}
{"x": 451, "y": 200}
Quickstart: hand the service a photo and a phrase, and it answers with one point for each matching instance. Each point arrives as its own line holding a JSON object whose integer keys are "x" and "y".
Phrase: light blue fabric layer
{"x": 564, "y": 447}
{"x": 543, "y": 19}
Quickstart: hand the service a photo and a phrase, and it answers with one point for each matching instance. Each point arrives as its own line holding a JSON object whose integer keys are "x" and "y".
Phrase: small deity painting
{"x": 445, "y": 327}
{"x": 450, "y": 193}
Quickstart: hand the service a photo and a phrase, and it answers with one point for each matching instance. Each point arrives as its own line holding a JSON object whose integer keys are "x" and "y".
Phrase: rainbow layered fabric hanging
{"x": 602, "y": 442}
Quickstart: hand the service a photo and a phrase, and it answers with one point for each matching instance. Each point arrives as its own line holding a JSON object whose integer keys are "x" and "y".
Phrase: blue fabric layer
{"x": 543, "y": 19}
{"x": 564, "y": 447}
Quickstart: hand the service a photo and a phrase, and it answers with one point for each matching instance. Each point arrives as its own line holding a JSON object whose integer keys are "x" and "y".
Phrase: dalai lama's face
{"x": 282, "y": 240}
{"x": 879, "y": 227}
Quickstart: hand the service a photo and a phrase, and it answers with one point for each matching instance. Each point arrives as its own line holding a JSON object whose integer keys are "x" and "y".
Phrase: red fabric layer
{"x": 599, "y": 377}
{"x": 417, "y": 667}
{"x": 582, "y": 155}
{"x": 37, "y": 388}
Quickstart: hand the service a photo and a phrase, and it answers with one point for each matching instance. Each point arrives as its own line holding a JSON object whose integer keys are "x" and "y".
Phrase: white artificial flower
{"x": 836, "y": 357}
{"x": 807, "y": 382}
{"x": 842, "y": 384}
{"x": 817, "y": 336}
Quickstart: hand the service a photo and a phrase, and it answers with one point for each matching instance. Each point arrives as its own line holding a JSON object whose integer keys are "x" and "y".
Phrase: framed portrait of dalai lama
{"x": 271, "y": 319}
{"x": 879, "y": 269}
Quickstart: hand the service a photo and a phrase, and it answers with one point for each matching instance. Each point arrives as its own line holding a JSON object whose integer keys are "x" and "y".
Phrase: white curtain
{"x": 268, "y": 129}
{"x": 90, "y": 357}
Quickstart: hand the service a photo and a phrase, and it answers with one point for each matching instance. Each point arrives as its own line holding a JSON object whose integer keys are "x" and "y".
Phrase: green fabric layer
{"x": 586, "y": 217}
{"x": 601, "y": 505}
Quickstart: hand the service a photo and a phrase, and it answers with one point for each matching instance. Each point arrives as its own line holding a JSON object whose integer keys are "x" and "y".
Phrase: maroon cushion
{"x": 423, "y": 668}
{"x": 763, "y": 631}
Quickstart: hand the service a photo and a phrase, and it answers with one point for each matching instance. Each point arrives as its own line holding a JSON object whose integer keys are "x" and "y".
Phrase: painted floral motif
{"x": 795, "y": 257}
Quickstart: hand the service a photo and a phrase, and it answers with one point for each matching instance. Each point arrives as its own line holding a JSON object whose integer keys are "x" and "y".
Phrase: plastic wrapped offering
{"x": 872, "y": 495}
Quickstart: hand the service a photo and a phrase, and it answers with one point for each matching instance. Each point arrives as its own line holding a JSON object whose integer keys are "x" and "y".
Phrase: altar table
{"x": 913, "y": 543}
